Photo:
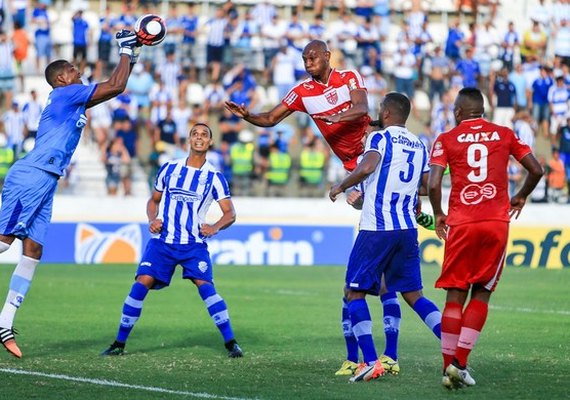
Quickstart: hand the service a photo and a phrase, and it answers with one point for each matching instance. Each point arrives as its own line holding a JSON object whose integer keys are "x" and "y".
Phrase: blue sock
{"x": 362, "y": 328}
{"x": 430, "y": 314}
{"x": 217, "y": 309}
{"x": 392, "y": 317}
{"x": 350, "y": 339}
{"x": 131, "y": 311}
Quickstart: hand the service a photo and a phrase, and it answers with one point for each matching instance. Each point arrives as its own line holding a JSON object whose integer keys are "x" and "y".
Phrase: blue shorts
{"x": 27, "y": 202}
{"x": 395, "y": 254}
{"x": 160, "y": 259}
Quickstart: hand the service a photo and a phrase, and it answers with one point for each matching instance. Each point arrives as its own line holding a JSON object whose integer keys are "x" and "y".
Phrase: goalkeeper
{"x": 29, "y": 187}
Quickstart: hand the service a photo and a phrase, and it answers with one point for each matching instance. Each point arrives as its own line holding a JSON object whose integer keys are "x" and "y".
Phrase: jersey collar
{"x": 328, "y": 80}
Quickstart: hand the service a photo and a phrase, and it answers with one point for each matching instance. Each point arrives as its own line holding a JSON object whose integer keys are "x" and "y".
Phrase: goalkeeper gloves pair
{"x": 128, "y": 44}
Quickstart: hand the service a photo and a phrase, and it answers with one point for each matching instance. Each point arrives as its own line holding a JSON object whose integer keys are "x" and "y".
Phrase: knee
{"x": 146, "y": 280}
{"x": 412, "y": 297}
{"x": 32, "y": 249}
{"x": 352, "y": 295}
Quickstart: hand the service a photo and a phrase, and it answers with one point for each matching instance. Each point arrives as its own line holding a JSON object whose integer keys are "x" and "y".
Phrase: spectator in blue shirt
{"x": 106, "y": 24}
{"x": 80, "y": 32}
{"x": 42, "y": 34}
{"x": 139, "y": 85}
{"x": 240, "y": 94}
{"x": 504, "y": 92}
{"x": 510, "y": 42}
{"x": 128, "y": 18}
{"x": 454, "y": 41}
{"x": 519, "y": 81}
{"x": 317, "y": 28}
{"x": 540, "y": 105}
{"x": 469, "y": 69}
{"x": 189, "y": 23}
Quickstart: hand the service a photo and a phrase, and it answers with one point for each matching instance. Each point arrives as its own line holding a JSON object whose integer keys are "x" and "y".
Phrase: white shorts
{"x": 556, "y": 121}
{"x": 98, "y": 123}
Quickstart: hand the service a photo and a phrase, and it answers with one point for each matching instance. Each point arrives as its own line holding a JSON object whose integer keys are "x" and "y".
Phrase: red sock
{"x": 474, "y": 318}
{"x": 450, "y": 329}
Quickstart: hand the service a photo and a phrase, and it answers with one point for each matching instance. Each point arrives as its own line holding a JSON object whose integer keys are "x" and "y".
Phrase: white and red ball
{"x": 150, "y": 29}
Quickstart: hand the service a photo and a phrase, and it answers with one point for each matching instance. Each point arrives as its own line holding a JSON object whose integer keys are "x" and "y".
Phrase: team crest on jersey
{"x": 202, "y": 179}
{"x": 437, "y": 150}
{"x": 94, "y": 247}
{"x": 332, "y": 97}
{"x": 203, "y": 266}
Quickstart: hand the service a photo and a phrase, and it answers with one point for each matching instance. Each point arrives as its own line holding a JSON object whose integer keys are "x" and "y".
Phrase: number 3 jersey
{"x": 390, "y": 192}
{"x": 477, "y": 152}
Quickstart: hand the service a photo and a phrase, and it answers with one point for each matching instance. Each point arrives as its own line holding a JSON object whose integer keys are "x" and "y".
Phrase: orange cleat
{"x": 8, "y": 341}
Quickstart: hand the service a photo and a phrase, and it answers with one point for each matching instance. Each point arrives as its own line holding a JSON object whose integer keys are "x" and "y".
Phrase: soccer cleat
{"x": 459, "y": 376}
{"x": 234, "y": 351}
{"x": 116, "y": 349}
{"x": 426, "y": 220}
{"x": 390, "y": 365}
{"x": 347, "y": 368}
{"x": 447, "y": 382}
{"x": 366, "y": 372}
{"x": 7, "y": 339}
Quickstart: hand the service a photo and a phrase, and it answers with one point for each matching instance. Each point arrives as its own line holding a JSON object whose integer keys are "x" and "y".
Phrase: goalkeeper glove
{"x": 127, "y": 41}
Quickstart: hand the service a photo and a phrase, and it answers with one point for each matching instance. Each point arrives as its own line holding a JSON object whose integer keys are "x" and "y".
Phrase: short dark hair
{"x": 473, "y": 96}
{"x": 203, "y": 124}
{"x": 398, "y": 104}
{"x": 53, "y": 70}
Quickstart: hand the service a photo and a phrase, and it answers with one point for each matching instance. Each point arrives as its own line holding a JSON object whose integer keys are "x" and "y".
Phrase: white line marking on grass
{"x": 104, "y": 382}
{"x": 286, "y": 292}
{"x": 529, "y": 310}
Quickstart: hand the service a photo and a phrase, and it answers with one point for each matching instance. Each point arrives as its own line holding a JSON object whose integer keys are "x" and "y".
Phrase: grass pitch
{"x": 288, "y": 323}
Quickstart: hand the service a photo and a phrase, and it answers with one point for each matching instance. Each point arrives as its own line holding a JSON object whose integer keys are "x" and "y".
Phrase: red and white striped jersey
{"x": 315, "y": 98}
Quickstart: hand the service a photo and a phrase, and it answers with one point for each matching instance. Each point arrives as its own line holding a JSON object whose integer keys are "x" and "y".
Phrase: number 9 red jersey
{"x": 477, "y": 152}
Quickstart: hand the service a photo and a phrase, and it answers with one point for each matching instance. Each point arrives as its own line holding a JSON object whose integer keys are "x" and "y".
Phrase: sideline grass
{"x": 287, "y": 321}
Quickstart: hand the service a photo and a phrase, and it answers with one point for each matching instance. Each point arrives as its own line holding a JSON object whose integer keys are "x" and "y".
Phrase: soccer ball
{"x": 150, "y": 29}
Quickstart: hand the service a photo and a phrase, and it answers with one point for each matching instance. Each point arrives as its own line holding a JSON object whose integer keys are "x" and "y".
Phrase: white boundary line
{"x": 104, "y": 382}
{"x": 529, "y": 310}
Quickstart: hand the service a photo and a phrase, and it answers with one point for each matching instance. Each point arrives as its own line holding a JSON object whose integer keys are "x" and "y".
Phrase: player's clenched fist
{"x": 155, "y": 226}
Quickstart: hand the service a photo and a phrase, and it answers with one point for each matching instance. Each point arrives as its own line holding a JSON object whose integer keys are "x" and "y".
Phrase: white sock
{"x": 4, "y": 247}
{"x": 19, "y": 286}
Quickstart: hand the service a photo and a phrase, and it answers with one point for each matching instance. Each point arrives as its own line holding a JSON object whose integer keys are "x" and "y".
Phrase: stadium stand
{"x": 189, "y": 71}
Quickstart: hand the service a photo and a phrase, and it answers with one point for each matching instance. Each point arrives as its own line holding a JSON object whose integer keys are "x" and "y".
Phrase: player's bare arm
{"x": 535, "y": 172}
{"x": 117, "y": 82}
{"x": 434, "y": 192}
{"x": 367, "y": 166}
{"x": 115, "y": 85}
{"x": 155, "y": 224}
{"x": 423, "y": 189}
{"x": 359, "y": 108}
{"x": 227, "y": 219}
{"x": 265, "y": 119}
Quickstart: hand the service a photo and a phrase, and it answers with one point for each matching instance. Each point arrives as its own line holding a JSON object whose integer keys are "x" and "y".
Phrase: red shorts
{"x": 474, "y": 254}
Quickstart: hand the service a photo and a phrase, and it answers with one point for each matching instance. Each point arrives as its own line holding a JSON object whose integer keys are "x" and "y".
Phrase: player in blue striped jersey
{"x": 393, "y": 167}
{"x": 29, "y": 188}
{"x": 183, "y": 192}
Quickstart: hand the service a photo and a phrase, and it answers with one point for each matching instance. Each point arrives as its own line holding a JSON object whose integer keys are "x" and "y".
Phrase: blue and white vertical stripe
{"x": 187, "y": 195}
{"x": 391, "y": 191}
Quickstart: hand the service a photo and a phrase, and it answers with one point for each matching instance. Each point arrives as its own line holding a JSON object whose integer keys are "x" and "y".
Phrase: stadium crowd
{"x": 250, "y": 54}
